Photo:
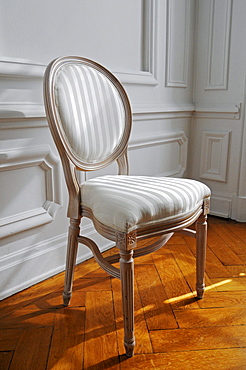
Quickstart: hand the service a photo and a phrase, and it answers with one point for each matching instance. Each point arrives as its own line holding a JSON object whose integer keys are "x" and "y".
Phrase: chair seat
{"x": 125, "y": 203}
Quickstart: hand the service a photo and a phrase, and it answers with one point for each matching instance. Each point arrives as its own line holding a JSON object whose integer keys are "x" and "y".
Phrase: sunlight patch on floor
{"x": 192, "y": 294}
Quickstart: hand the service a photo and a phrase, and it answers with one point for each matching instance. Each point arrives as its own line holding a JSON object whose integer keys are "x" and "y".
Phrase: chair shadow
{"x": 110, "y": 363}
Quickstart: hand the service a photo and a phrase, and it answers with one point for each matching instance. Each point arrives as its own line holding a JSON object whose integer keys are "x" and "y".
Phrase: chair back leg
{"x": 201, "y": 242}
{"x": 72, "y": 248}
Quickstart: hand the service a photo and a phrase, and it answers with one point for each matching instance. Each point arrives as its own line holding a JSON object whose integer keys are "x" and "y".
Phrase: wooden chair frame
{"x": 126, "y": 243}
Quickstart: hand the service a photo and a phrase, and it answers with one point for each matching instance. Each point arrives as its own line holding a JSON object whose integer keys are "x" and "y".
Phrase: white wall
{"x": 183, "y": 65}
{"x": 218, "y": 149}
{"x": 149, "y": 45}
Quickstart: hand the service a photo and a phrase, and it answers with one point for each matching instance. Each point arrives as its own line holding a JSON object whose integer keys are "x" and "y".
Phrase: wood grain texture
{"x": 212, "y": 317}
{"x": 187, "y": 264}
{"x": 226, "y": 359}
{"x": 226, "y": 255}
{"x": 157, "y": 313}
{"x": 233, "y": 238}
{"x": 174, "y": 282}
{"x": 223, "y": 299}
{"x": 214, "y": 267}
{"x": 198, "y": 338}
{"x": 29, "y": 318}
{"x": 5, "y": 359}
{"x": 173, "y": 330}
{"x": 100, "y": 331}
{"x": 28, "y": 296}
{"x": 9, "y": 338}
{"x": 32, "y": 349}
{"x": 68, "y": 339}
{"x": 231, "y": 284}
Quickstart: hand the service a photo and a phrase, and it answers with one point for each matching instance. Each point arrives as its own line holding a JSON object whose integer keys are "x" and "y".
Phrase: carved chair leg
{"x": 127, "y": 287}
{"x": 201, "y": 242}
{"x": 72, "y": 247}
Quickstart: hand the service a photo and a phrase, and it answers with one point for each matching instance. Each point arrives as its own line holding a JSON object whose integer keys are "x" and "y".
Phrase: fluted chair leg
{"x": 201, "y": 242}
{"x": 127, "y": 287}
{"x": 72, "y": 247}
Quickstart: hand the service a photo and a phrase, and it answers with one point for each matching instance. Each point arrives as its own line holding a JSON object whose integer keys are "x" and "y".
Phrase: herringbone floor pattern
{"x": 173, "y": 329}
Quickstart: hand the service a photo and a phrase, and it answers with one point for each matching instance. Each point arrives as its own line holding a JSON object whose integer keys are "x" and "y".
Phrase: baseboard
{"x": 38, "y": 262}
{"x": 228, "y": 206}
{"x": 239, "y": 209}
{"x": 221, "y": 205}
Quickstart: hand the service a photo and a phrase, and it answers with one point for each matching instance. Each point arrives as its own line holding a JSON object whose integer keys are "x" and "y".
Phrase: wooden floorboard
{"x": 173, "y": 329}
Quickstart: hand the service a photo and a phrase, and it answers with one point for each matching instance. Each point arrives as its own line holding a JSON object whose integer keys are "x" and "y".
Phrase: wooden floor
{"x": 173, "y": 329}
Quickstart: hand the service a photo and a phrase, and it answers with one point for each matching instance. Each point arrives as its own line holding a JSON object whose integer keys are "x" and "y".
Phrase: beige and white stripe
{"x": 91, "y": 111}
{"x": 127, "y": 202}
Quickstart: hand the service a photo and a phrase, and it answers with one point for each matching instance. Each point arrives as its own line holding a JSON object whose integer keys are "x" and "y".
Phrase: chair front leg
{"x": 127, "y": 288}
{"x": 201, "y": 242}
{"x": 72, "y": 248}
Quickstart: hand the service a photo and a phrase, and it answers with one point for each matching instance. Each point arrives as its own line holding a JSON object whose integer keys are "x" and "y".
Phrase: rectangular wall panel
{"x": 214, "y": 155}
{"x": 178, "y": 25}
{"x": 164, "y": 155}
{"x": 219, "y": 44}
{"x": 31, "y": 188}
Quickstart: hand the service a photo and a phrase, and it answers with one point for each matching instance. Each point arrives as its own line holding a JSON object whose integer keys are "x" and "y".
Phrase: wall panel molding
{"x": 226, "y": 111}
{"x": 21, "y": 80}
{"x": 242, "y": 173}
{"x": 20, "y": 69}
{"x": 136, "y": 78}
{"x": 21, "y": 84}
{"x": 147, "y": 74}
{"x": 178, "y": 39}
{"x": 162, "y": 140}
{"x": 21, "y": 92}
{"x": 22, "y": 158}
{"x": 143, "y": 111}
{"x": 17, "y": 115}
{"x": 219, "y": 44}
{"x": 214, "y": 155}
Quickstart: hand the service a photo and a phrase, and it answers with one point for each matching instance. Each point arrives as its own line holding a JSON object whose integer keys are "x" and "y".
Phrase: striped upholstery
{"x": 90, "y": 110}
{"x": 125, "y": 203}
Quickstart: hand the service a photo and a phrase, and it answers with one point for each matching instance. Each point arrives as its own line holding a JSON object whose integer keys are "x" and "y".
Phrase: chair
{"x": 90, "y": 118}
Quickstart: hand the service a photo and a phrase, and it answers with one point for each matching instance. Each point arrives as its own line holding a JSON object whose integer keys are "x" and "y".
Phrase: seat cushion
{"x": 125, "y": 203}
{"x": 91, "y": 111}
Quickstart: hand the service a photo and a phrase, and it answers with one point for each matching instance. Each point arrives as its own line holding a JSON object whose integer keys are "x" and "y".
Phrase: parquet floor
{"x": 173, "y": 329}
